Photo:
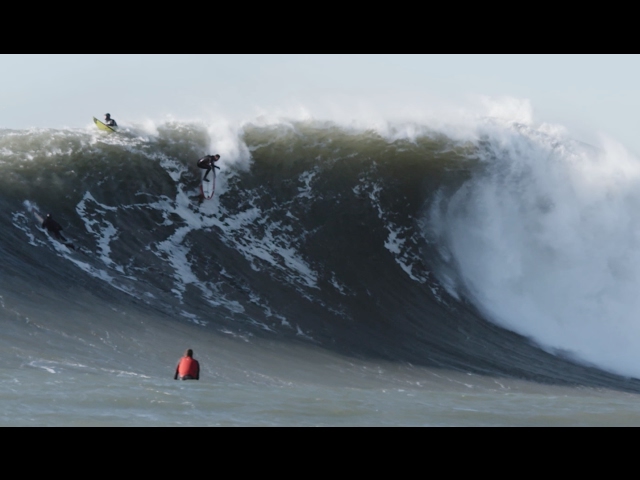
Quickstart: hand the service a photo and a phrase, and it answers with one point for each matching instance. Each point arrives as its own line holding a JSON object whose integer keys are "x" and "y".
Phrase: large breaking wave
{"x": 511, "y": 251}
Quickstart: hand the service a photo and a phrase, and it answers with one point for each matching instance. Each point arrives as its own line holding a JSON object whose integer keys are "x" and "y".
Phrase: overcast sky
{"x": 586, "y": 93}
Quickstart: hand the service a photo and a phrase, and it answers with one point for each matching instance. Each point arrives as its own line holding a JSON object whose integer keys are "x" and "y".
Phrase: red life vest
{"x": 188, "y": 366}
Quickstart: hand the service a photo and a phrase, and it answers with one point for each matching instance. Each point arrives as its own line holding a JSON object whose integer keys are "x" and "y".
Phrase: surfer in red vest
{"x": 188, "y": 367}
{"x": 207, "y": 162}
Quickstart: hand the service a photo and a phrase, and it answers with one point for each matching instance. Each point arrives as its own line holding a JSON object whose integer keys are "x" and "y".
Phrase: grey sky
{"x": 586, "y": 93}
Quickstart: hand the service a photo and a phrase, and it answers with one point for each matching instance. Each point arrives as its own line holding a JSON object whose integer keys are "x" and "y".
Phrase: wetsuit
{"x": 206, "y": 162}
{"x": 111, "y": 122}
{"x": 188, "y": 369}
{"x": 54, "y": 228}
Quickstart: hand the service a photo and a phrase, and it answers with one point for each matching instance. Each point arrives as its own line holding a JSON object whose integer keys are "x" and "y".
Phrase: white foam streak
{"x": 395, "y": 243}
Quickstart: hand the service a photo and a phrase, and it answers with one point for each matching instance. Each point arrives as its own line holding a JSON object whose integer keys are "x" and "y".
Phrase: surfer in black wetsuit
{"x": 109, "y": 121}
{"x": 54, "y": 229}
{"x": 207, "y": 162}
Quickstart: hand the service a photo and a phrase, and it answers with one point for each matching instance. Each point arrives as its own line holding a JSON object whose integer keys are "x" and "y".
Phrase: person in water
{"x": 109, "y": 121}
{"x": 208, "y": 162}
{"x": 188, "y": 367}
{"x": 53, "y": 228}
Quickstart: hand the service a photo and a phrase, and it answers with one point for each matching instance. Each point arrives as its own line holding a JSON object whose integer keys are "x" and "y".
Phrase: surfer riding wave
{"x": 208, "y": 162}
{"x": 54, "y": 228}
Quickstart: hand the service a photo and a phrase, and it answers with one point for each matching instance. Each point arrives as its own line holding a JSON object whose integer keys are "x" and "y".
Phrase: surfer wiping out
{"x": 207, "y": 162}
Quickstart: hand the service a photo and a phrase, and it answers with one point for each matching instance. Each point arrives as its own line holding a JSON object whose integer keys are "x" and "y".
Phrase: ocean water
{"x": 340, "y": 276}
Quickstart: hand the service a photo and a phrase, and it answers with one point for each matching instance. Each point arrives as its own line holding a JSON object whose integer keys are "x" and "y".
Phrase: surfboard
{"x": 62, "y": 240}
{"x": 208, "y": 188}
{"x": 102, "y": 126}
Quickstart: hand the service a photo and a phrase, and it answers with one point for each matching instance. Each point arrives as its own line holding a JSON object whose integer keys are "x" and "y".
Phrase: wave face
{"x": 512, "y": 252}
